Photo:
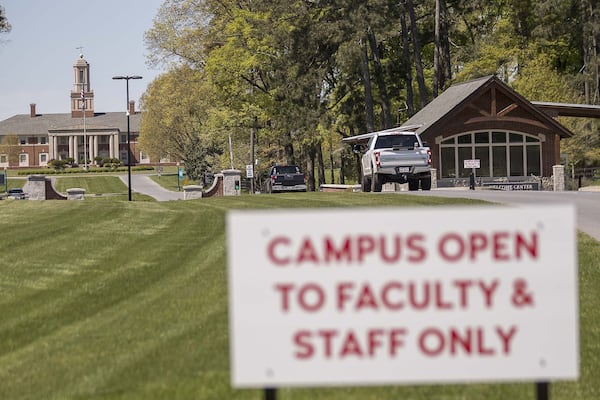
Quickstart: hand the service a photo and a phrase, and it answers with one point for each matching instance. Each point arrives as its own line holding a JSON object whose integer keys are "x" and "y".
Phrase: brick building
{"x": 486, "y": 120}
{"x": 82, "y": 134}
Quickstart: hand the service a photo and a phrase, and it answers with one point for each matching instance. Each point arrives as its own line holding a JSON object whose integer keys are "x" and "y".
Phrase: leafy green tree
{"x": 174, "y": 113}
{"x": 284, "y": 78}
{"x": 9, "y": 145}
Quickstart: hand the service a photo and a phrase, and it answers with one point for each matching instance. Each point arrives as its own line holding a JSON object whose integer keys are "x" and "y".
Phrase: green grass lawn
{"x": 128, "y": 300}
{"x": 169, "y": 181}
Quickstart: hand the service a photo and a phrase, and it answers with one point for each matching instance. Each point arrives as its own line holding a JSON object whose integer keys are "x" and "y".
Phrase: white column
{"x": 116, "y": 146}
{"x": 92, "y": 148}
{"x": 111, "y": 149}
{"x": 50, "y": 147}
{"x": 71, "y": 151}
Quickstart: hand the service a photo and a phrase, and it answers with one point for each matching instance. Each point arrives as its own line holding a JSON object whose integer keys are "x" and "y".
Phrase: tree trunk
{"x": 594, "y": 55}
{"x": 380, "y": 80}
{"x": 358, "y": 167}
{"x": 441, "y": 63}
{"x": 445, "y": 43}
{"x": 436, "y": 51}
{"x": 410, "y": 98}
{"x": 417, "y": 53}
{"x": 310, "y": 168}
{"x": 331, "y": 162}
{"x": 364, "y": 67}
{"x": 585, "y": 44}
{"x": 288, "y": 148}
{"x": 252, "y": 189}
{"x": 342, "y": 179}
{"x": 320, "y": 165}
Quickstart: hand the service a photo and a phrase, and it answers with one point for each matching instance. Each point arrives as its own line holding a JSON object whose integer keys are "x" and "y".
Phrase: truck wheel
{"x": 413, "y": 184}
{"x": 377, "y": 184}
{"x": 426, "y": 183}
{"x": 366, "y": 184}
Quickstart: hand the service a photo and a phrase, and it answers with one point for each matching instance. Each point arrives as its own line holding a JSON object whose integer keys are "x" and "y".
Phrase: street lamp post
{"x": 127, "y": 78}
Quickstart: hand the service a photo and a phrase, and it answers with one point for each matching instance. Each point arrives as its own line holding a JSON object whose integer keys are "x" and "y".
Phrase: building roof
{"x": 457, "y": 97}
{"x": 450, "y": 99}
{"x": 41, "y": 124}
{"x": 569, "y": 110}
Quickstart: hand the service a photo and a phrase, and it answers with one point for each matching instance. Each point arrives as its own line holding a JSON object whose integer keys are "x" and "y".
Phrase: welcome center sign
{"x": 402, "y": 295}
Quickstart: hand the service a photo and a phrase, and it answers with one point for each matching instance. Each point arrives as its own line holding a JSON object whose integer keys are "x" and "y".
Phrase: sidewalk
{"x": 144, "y": 185}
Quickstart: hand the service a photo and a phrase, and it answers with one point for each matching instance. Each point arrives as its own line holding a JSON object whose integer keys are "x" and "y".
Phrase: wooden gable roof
{"x": 483, "y": 104}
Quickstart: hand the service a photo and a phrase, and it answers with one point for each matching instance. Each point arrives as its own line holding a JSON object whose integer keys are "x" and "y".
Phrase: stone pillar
{"x": 558, "y": 177}
{"x": 231, "y": 180}
{"x": 75, "y": 194}
{"x": 35, "y": 187}
{"x": 191, "y": 192}
{"x": 433, "y": 178}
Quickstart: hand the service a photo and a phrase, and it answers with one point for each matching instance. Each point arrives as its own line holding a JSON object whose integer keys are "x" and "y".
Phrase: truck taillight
{"x": 429, "y": 156}
{"x": 377, "y": 160}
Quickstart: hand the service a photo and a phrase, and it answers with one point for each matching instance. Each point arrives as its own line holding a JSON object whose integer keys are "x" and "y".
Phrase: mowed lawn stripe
{"x": 118, "y": 281}
{"x": 128, "y": 300}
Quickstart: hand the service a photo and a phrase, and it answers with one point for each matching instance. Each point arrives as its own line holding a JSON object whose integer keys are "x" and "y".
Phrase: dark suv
{"x": 17, "y": 194}
{"x": 285, "y": 178}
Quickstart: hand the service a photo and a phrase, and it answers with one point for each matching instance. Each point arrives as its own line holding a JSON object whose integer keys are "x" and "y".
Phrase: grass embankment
{"x": 128, "y": 300}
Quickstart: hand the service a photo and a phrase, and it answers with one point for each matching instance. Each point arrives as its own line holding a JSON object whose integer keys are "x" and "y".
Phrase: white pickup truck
{"x": 395, "y": 156}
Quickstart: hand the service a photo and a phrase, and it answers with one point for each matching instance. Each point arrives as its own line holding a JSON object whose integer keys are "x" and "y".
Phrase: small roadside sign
{"x": 472, "y": 163}
{"x": 249, "y": 171}
{"x": 392, "y": 296}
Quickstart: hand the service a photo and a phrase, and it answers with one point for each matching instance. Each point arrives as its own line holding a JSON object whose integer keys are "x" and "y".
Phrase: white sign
{"x": 249, "y": 171}
{"x": 392, "y": 295}
{"x": 472, "y": 163}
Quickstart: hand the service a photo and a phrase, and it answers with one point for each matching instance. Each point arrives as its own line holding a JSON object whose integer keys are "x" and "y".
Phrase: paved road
{"x": 144, "y": 185}
{"x": 586, "y": 203}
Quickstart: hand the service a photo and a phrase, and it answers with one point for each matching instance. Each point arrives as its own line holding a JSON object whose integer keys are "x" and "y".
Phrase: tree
{"x": 174, "y": 114}
{"x": 441, "y": 58}
{"x": 4, "y": 24}
{"x": 9, "y": 145}
{"x": 414, "y": 32}
{"x": 283, "y": 77}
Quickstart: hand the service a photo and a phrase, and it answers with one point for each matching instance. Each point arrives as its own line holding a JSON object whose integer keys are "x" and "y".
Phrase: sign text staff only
{"x": 395, "y": 295}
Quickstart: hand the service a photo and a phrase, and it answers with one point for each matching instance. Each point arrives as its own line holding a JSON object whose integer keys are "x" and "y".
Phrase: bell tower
{"x": 82, "y": 97}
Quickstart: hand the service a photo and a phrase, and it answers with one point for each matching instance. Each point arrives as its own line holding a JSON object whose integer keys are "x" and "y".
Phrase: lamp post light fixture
{"x": 127, "y": 78}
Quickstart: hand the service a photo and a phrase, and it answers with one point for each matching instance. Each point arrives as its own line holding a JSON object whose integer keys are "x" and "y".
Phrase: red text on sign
{"x": 497, "y": 246}
{"x": 435, "y": 342}
{"x": 284, "y": 251}
{"x": 349, "y": 296}
{"x": 337, "y": 344}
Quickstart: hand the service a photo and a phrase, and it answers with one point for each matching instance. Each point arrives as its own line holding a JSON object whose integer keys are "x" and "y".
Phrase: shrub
{"x": 58, "y": 164}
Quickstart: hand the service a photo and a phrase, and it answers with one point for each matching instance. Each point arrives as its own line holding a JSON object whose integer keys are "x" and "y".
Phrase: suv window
{"x": 287, "y": 169}
{"x": 390, "y": 141}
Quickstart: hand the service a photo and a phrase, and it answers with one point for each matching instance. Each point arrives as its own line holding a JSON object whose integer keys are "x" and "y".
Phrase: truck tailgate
{"x": 403, "y": 157}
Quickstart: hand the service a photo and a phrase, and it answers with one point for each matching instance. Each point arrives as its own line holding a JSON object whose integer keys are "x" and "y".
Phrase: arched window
{"x": 501, "y": 154}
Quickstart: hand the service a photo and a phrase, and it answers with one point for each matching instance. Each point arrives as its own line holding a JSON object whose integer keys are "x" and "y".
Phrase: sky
{"x": 37, "y": 55}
